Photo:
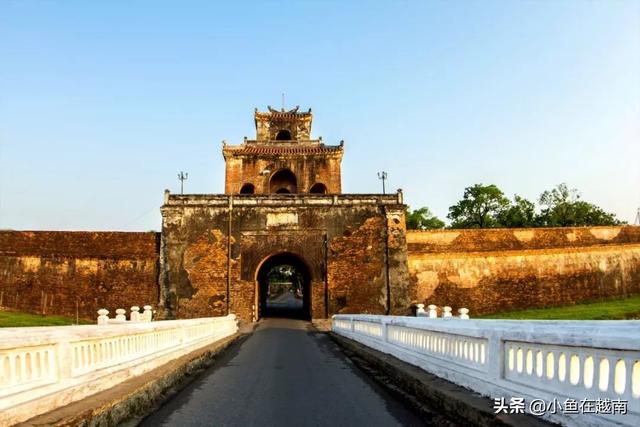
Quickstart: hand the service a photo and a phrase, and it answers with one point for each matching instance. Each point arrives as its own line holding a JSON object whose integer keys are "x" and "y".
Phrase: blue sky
{"x": 103, "y": 103}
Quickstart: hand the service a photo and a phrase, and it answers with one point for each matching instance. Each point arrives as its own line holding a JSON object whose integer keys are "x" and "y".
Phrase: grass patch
{"x": 621, "y": 309}
{"x": 11, "y": 319}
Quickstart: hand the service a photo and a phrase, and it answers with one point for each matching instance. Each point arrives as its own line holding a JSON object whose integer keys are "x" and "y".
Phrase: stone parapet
{"x": 293, "y": 200}
{"x": 537, "y": 361}
{"x": 49, "y": 367}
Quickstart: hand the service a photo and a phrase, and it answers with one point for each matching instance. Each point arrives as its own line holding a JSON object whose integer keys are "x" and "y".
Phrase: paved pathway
{"x": 284, "y": 374}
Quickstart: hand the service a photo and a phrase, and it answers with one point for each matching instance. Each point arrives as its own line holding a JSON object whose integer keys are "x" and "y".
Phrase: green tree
{"x": 521, "y": 213}
{"x": 423, "y": 219}
{"x": 558, "y": 206}
{"x": 479, "y": 207}
{"x": 563, "y": 208}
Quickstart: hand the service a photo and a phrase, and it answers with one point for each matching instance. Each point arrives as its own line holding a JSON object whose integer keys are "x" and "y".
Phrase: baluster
{"x": 612, "y": 375}
{"x": 629, "y": 371}
{"x": 433, "y": 313}
{"x": 147, "y": 313}
{"x": 103, "y": 317}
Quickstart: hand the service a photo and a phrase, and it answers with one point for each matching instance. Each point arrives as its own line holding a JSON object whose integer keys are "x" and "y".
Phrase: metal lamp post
{"x": 382, "y": 176}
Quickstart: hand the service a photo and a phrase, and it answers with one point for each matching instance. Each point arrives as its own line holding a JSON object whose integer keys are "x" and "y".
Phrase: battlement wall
{"x": 496, "y": 270}
{"x": 75, "y": 273}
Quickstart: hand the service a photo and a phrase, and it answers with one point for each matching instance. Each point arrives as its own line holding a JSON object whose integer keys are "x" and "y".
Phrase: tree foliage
{"x": 520, "y": 213}
{"x": 480, "y": 207}
{"x": 423, "y": 219}
{"x": 562, "y": 207}
{"x": 485, "y": 206}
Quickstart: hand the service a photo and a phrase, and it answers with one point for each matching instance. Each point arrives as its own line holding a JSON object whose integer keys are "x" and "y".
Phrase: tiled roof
{"x": 283, "y": 149}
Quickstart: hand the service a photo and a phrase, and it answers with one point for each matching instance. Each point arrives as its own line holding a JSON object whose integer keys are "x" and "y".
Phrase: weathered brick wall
{"x": 59, "y": 272}
{"x": 349, "y": 272}
{"x": 508, "y": 269}
{"x": 309, "y": 170}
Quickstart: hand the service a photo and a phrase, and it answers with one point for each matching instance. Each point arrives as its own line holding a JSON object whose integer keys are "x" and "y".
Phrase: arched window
{"x": 283, "y": 181}
{"x": 283, "y": 135}
{"x": 318, "y": 188}
{"x": 248, "y": 189}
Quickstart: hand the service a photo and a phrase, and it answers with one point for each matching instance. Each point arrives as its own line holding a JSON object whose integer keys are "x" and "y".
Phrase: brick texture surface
{"x": 76, "y": 273}
{"x": 499, "y": 270}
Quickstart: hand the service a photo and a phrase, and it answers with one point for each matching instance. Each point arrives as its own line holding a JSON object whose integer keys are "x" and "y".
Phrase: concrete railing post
{"x": 433, "y": 311}
{"x": 135, "y": 314}
{"x": 103, "y": 316}
{"x": 147, "y": 314}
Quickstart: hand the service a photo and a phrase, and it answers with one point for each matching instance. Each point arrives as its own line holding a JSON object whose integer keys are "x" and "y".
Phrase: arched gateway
{"x": 284, "y": 287}
{"x": 255, "y": 252}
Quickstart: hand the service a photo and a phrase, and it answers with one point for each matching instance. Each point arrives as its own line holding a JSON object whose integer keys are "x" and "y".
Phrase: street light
{"x": 382, "y": 176}
{"x": 182, "y": 177}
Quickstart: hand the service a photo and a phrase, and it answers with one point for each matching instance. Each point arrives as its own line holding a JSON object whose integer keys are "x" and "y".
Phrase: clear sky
{"x": 103, "y": 103}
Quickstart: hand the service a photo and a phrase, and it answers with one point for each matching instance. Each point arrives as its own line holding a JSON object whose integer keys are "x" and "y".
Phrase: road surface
{"x": 284, "y": 374}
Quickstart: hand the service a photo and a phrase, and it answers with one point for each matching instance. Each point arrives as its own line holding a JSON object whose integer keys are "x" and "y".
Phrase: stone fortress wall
{"x": 487, "y": 270}
{"x": 493, "y": 270}
{"x": 64, "y": 273}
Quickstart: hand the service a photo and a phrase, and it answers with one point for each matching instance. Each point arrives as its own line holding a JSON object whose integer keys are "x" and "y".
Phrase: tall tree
{"x": 479, "y": 207}
{"x": 521, "y": 213}
{"x": 558, "y": 202}
{"x": 423, "y": 219}
{"x": 563, "y": 208}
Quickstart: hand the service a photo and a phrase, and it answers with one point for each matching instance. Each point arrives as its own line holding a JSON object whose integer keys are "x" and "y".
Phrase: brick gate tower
{"x": 283, "y": 206}
{"x": 283, "y": 158}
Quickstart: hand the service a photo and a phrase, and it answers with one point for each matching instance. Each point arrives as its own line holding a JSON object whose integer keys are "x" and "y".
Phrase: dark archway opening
{"x": 248, "y": 189}
{"x": 284, "y": 285}
{"x": 283, "y": 135}
{"x": 283, "y": 181}
{"x": 318, "y": 188}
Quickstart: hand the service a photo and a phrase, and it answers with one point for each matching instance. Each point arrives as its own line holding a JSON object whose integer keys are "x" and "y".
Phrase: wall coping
{"x": 293, "y": 200}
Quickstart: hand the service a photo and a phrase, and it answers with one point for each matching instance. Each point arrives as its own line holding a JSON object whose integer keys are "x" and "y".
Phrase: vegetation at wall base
{"x": 618, "y": 309}
{"x": 13, "y": 319}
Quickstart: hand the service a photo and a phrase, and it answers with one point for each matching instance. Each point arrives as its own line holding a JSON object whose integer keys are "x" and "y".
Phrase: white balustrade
{"x": 446, "y": 311}
{"x": 135, "y": 316}
{"x": 44, "y": 368}
{"x": 549, "y": 360}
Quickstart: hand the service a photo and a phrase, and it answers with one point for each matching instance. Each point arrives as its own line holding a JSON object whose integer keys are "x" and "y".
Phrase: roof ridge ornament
{"x": 292, "y": 111}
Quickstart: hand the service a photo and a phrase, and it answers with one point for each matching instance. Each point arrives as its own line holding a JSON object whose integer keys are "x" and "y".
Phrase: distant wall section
{"x": 494, "y": 270}
{"x": 59, "y": 272}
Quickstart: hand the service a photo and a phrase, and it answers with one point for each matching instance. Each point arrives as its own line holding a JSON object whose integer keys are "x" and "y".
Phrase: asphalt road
{"x": 284, "y": 374}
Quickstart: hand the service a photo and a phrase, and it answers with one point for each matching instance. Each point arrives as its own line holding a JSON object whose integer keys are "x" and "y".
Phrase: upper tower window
{"x": 247, "y": 189}
{"x": 283, "y": 135}
{"x": 283, "y": 181}
{"x": 318, "y": 188}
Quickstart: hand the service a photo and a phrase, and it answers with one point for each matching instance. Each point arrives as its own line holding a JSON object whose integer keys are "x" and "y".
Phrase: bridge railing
{"x": 45, "y": 368}
{"x": 570, "y": 372}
